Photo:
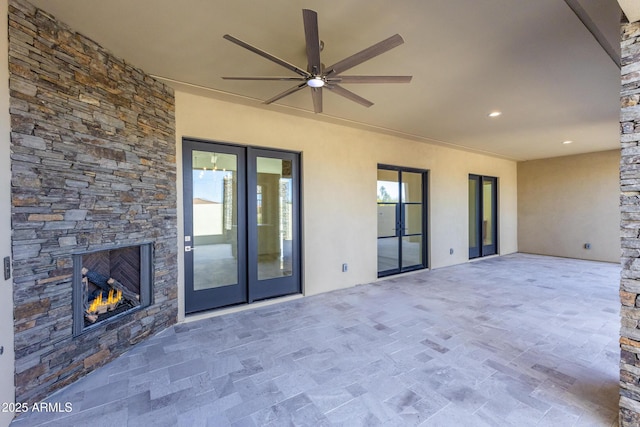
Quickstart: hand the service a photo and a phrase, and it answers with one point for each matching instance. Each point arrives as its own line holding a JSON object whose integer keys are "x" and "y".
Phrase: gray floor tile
{"x": 328, "y": 399}
{"x": 509, "y": 341}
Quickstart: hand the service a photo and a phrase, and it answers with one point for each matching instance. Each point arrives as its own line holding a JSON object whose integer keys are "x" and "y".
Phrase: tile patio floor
{"x": 519, "y": 340}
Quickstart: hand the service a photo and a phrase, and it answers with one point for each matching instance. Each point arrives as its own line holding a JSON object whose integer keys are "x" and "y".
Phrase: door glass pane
{"x": 386, "y": 219}
{"x": 215, "y": 222}
{"x": 388, "y": 188}
{"x": 412, "y": 219}
{"x": 411, "y": 187}
{"x": 487, "y": 213}
{"x": 473, "y": 227}
{"x": 388, "y": 256}
{"x": 274, "y": 194}
{"x": 411, "y": 250}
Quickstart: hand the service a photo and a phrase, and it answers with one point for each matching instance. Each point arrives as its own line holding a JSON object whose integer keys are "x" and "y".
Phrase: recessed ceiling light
{"x": 567, "y": 142}
{"x": 495, "y": 114}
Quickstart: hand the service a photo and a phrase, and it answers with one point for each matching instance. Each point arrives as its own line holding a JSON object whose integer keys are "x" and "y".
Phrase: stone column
{"x": 93, "y": 167}
{"x": 630, "y": 226}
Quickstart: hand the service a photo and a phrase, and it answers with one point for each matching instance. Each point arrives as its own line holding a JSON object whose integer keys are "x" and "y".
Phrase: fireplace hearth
{"x": 110, "y": 283}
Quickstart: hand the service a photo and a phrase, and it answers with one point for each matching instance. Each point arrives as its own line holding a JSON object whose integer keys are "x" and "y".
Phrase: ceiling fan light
{"x": 315, "y": 82}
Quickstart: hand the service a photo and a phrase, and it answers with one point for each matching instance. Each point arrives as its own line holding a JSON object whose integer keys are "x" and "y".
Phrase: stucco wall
{"x": 566, "y": 202}
{"x": 339, "y": 166}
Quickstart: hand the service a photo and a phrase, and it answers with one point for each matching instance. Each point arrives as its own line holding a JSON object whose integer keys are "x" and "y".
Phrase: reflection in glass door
{"x": 241, "y": 224}
{"x": 483, "y": 216}
{"x": 215, "y": 222}
{"x": 401, "y": 220}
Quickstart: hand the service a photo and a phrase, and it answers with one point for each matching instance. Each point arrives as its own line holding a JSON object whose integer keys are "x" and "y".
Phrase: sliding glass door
{"x": 402, "y": 220}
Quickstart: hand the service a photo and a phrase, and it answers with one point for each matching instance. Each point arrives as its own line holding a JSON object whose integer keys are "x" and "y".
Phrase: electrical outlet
{"x": 345, "y": 267}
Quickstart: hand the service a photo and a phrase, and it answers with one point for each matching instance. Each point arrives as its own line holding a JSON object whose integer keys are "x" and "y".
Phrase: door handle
{"x": 188, "y": 248}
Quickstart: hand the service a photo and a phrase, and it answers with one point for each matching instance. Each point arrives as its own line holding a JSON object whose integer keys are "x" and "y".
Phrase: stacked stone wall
{"x": 630, "y": 226}
{"x": 93, "y": 167}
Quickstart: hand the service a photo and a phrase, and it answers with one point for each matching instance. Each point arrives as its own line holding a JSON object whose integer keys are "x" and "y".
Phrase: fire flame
{"x": 114, "y": 297}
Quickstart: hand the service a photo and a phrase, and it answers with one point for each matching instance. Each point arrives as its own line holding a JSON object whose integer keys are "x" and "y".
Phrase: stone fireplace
{"x": 93, "y": 184}
{"x": 110, "y": 283}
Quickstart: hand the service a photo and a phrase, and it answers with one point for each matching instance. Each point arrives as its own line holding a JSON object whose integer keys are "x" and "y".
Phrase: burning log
{"x": 133, "y": 298}
{"x": 85, "y": 298}
{"x": 107, "y": 297}
{"x": 101, "y": 304}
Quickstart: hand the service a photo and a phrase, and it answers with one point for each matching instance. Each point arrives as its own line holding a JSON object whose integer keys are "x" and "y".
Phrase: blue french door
{"x": 273, "y": 224}
{"x": 241, "y": 208}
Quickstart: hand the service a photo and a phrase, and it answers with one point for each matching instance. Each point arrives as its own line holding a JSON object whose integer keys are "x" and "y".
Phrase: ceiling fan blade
{"x": 365, "y": 55}
{"x": 286, "y": 93}
{"x": 267, "y": 78}
{"x": 316, "y": 95}
{"x": 349, "y": 95}
{"x": 310, "y": 19}
{"x": 267, "y": 55}
{"x": 369, "y": 79}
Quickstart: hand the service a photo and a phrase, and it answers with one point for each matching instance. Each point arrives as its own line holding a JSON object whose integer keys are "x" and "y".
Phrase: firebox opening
{"x": 110, "y": 283}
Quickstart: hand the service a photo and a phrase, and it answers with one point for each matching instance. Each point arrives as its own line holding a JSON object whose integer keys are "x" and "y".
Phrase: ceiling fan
{"x": 317, "y": 76}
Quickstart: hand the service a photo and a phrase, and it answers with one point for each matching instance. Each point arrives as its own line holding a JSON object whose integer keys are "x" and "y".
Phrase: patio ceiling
{"x": 535, "y": 61}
